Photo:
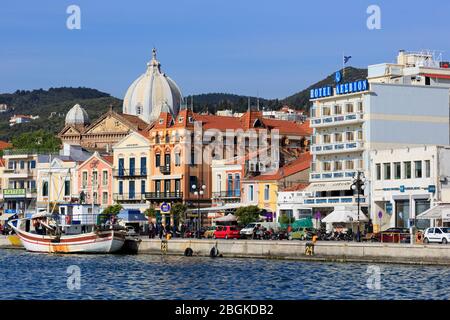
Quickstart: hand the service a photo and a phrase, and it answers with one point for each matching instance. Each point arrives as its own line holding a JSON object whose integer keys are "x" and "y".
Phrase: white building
{"x": 291, "y": 203}
{"x": 406, "y": 182}
{"x": 399, "y": 104}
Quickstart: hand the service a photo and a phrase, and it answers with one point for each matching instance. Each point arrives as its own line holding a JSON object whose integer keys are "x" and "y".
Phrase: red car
{"x": 226, "y": 232}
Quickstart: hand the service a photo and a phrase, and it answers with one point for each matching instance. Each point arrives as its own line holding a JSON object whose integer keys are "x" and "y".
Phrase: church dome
{"x": 152, "y": 93}
{"x": 77, "y": 116}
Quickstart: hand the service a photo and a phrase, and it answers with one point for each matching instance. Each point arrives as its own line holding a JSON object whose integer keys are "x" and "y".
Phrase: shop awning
{"x": 131, "y": 216}
{"x": 228, "y": 218}
{"x": 345, "y": 215}
{"x": 440, "y": 211}
{"x": 332, "y": 186}
{"x": 219, "y": 208}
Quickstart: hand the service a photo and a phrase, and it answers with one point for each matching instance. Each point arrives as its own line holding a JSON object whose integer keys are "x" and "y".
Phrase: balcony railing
{"x": 337, "y": 119}
{"x": 227, "y": 194}
{"x": 337, "y": 147}
{"x": 164, "y": 195}
{"x": 26, "y": 171}
{"x": 336, "y": 200}
{"x": 130, "y": 172}
{"x": 317, "y": 176}
{"x": 27, "y": 152}
{"x": 129, "y": 197}
{"x": 165, "y": 169}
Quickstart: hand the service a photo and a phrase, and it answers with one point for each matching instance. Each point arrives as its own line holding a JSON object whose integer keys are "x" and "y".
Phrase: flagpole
{"x": 343, "y": 65}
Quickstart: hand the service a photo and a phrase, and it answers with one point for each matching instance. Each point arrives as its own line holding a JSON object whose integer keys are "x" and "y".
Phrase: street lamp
{"x": 198, "y": 191}
{"x": 358, "y": 185}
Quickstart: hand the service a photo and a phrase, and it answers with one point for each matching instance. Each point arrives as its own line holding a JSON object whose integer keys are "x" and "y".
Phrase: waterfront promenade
{"x": 432, "y": 254}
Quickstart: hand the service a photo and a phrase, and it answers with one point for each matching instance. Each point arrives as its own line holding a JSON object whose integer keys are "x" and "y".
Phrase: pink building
{"x": 95, "y": 179}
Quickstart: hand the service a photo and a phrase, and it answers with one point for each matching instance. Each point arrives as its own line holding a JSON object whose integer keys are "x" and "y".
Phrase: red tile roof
{"x": 2, "y": 162}
{"x": 297, "y": 187}
{"x": 5, "y": 145}
{"x": 109, "y": 159}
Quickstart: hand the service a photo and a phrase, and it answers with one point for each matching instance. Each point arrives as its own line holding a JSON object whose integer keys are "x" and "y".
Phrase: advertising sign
{"x": 14, "y": 193}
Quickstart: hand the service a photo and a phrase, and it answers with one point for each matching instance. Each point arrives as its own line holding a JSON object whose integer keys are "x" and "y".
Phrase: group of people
{"x": 158, "y": 230}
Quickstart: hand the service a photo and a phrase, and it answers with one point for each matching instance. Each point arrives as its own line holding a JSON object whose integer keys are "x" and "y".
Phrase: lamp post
{"x": 198, "y": 191}
{"x": 358, "y": 185}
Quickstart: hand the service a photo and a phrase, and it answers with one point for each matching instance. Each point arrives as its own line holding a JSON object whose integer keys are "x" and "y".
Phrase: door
{"x": 437, "y": 235}
{"x": 132, "y": 190}
{"x": 121, "y": 167}
{"x": 177, "y": 187}
{"x": 132, "y": 166}
{"x": 167, "y": 160}
{"x": 401, "y": 213}
{"x": 166, "y": 187}
{"x": 158, "y": 187}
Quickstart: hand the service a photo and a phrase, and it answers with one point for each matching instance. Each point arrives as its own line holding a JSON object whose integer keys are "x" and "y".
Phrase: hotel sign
{"x": 344, "y": 88}
{"x": 14, "y": 193}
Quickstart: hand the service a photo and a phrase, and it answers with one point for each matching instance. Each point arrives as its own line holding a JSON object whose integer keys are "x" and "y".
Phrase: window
{"x": 350, "y": 135}
{"x": 349, "y": 165}
{"x": 250, "y": 193}
{"x": 427, "y": 168}
{"x": 193, "y": 181}
{"x": 337, "y": 109}
{"x": 67, "y": 188}
{"x": 349, "y": 108}
{"x": 397, "y": 170}
{"x": 387, "y": 171}
{"x": 167, "y": 139}
{"x": 32, "y": 164}
{"x": 157, "y": 186}
{"x": 360, "y": 106}
{"x": 84, "y": 180}
{"x": 94, "y": 178}
{"x": 177, "y": 136}
{"x": 131, "y": 189}
{"x": 143, "y": 166}
{"x": 378, "y": 168}
{"x": 266, "y": 192}
{"x": 219, "y": 183}
{"x": 105, "y": 198}
{"x": 417, "y": 169}
{"x": 338, "y": 137}
{"x": 95, "y": 196}
{"x": 138, "y": 109}
{"x": 143, "y": 182}
{"x": 326, "y": 166}
{"x": 326, "y": 138}
{"x": 22, "y": 164}
{"x": 230, "y": 185}
{"x": 45, "y": 189}
{"x": 407, "y": 169}
{"x": 177, "y": 159}
{"x": 337, "y": 166}
{"x": 121, "y": 167}
{"x": 157, "y": 139}
{"x": 120, "y": 187}
{"x": 10, "y": 165}
{"x": 104, "y": 177}
{"x": 157, "y": 160}
{"x": 132, "y": 162}
{"x": 360, "y": 164}
{"x": 360, "y": 135}
{"x": 326, "y": 111}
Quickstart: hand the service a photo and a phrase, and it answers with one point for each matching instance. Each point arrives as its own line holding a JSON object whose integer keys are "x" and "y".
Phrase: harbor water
{"x": 41, "y": 276}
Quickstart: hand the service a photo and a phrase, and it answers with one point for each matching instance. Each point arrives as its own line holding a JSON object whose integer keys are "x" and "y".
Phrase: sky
{"x": 270, "y": 49}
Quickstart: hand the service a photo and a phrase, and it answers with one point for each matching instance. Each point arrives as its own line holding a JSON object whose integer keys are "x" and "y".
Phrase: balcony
{"x": 337, "y": 120}
{"x": 226, "y": 194}
{"x": 18, "y": 173}
{"x": 336, "y": 175}
{"x": 337, "y": 147}
{"x": 18, "y": 193}
{"x": 162, "y": 196}
{"x": 130, "y": 173}
{"x": 165, "y": 169}
{"x": 344, "y": 200}
{"x": 129, "y": 197}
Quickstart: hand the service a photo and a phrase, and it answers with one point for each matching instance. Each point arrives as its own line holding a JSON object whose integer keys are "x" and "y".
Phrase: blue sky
{"x": 249, "y": 47}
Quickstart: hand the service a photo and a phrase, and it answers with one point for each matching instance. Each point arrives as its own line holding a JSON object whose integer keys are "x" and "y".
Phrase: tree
{"x": 177, "y": 211}
{"x": 247, "y": 214}
{"x": 150, "y": 213}
{"x": 39, "y": 140}
{"x": 112, "y": 209}
{"x": 286, "y": 219}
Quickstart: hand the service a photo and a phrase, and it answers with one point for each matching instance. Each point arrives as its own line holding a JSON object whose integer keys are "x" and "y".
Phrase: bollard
{"x": 164, "y": 246}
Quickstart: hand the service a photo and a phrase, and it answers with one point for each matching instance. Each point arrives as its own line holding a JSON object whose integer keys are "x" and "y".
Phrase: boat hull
{"x": 107, "y": 241}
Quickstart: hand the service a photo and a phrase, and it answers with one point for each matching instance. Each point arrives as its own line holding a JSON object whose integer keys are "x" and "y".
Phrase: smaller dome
{"x": 76, "y": 116}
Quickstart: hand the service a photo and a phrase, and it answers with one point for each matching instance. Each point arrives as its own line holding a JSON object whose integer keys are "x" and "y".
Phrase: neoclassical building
{"x": 150, "y": 94}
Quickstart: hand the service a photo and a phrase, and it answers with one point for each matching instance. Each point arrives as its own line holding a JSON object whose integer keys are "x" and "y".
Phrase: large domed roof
{"x": 152, "y": 93}
{"x": 77, "y": 116}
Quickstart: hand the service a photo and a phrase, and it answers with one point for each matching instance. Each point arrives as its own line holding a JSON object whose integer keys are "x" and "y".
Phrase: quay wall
{"x": 323, "y": 250}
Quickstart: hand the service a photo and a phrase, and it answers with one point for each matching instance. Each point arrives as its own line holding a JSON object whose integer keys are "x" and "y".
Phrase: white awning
{"x": 440, "y": 211}
{"x": 229, "y": 217}
{"x": 345, "y": 215}
{"x": 328, "y": 186}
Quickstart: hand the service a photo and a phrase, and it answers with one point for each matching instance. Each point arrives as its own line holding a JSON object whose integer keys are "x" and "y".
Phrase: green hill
{"x": 51, "y": 106}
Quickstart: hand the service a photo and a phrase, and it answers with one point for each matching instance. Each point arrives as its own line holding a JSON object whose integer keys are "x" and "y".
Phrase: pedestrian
{"x": 161, "y": 231}
{"x": 150, "y": 230}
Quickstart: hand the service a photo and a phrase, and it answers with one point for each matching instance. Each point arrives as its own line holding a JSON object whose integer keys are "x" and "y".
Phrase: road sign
{"x": 380, "y": 214}
{"x": 165, "y": 207}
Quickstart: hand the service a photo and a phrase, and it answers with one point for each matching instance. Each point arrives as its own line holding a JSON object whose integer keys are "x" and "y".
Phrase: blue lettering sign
{"x": 343, "y": 88}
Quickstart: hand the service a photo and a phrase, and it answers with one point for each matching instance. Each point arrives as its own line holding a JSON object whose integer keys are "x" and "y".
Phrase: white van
{"x": 247, "y": 232}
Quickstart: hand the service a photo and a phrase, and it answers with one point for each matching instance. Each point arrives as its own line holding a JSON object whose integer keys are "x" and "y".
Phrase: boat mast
{"x": 49, "y": 182}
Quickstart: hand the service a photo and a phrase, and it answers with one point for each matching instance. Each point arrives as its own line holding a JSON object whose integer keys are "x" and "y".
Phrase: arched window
{"x": 167, "y": 138}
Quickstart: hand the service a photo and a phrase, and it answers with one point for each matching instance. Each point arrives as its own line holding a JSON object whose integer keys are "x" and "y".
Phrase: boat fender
{"x": 214, "y": 252}
{"x": 188, "y": 252}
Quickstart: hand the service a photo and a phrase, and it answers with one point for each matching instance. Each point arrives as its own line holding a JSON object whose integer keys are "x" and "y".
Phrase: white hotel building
{"x": 406, "y": 103}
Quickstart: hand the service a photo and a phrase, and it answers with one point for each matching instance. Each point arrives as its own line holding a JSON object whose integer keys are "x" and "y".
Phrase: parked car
{"x": 249, "y": 230}
{"x": 441, "y": 235}
{"x": 226, "y": 232}
{"x": 395, "y": 235}
{"x": 302, "y": 234}
{"x": 209, "y": 233}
